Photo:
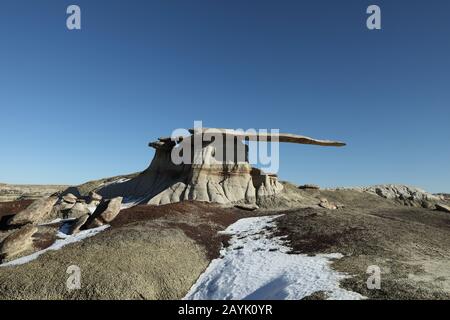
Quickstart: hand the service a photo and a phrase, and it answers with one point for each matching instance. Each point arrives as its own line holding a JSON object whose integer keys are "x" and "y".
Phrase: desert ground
{"x": 159, "y": 252}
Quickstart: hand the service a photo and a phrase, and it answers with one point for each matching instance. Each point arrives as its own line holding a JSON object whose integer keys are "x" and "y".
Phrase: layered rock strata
{"x": 217, "y": 173}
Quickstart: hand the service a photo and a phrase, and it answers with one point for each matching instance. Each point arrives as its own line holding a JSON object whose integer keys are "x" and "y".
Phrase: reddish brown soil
{"x": 205, "y": 220}
{"x": 208, "y": 211}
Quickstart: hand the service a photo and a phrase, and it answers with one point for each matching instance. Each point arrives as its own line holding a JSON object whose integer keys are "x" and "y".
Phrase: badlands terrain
{"x": 304, "y": 243}
{"x": 214, "y": 227}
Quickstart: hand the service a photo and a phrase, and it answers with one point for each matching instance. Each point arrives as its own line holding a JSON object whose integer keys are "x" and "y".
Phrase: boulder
{"x": 106, "y": 212}
{"x": 215, "y": 168}
{"x": 442, "y": 207}
{"x": 17, "y": 242}
{"x": 78, "y": 224}
{"x": 69, "y": 198}
{"x": 78, "y": 210}
{"x": 407, "y": 195}
{"x": 427, "y": 204}
{"x": 35, "y": 213}
{"x": 113, "y": 209}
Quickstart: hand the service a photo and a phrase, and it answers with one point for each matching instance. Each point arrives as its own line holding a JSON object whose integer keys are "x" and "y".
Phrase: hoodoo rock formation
{"x": 210, "y": 171}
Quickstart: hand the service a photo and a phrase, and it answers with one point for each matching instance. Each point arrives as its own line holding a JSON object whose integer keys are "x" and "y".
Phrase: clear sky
{"x": 81, "y": 105}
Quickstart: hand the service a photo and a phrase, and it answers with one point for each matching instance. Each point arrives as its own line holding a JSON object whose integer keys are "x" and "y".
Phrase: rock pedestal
{"x": 17, "y": 242}
{"x": 214, "y": 172}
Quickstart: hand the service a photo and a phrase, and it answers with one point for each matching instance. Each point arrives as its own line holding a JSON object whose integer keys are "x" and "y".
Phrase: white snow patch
{"x": 57, "y": 220}
{"x": 59, "y": 243}
{"x": 256, "y": 266}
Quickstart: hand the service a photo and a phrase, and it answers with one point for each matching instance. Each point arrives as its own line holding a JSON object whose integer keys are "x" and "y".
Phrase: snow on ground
{"x": 63, "y": 240}
{"x": 58, "y": 220}
{"x": 256, "y": 266}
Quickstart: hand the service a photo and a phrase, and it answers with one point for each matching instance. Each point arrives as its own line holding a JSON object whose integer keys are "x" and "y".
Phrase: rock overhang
{"x": 208, "y": 171}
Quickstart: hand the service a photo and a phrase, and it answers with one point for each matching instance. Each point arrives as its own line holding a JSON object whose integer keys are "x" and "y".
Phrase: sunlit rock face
{"x": 210, "y": 175}
{"x": 209, "y": 165}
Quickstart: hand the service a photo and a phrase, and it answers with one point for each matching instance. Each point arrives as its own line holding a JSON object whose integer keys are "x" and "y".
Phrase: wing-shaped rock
{"x": 280, "y": 137}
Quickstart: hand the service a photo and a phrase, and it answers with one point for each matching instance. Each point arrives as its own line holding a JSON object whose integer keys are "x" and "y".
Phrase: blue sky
{"x": 81, "y": 105}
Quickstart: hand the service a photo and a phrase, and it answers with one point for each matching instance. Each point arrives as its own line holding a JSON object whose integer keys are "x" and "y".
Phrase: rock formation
{"x": 35, "y": 213}
{"x": 410, "y": 196}
{"x": 14, "y": 192}
{"x": 309, "y": 186}
{"x": 75, "y": 228}
{"x": 226, "y": 179}
{"x": 17, "y": 242}
{"x": 106, "y": 212}
{"x": 67, "y": 202}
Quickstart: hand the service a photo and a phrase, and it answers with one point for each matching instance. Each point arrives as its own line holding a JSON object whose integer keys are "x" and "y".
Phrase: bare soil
{"x": 199, "y": 221}
{"x": 410, "y": 245}
{"x": 148, "y": 252}
{"x": 158, "y": 252}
